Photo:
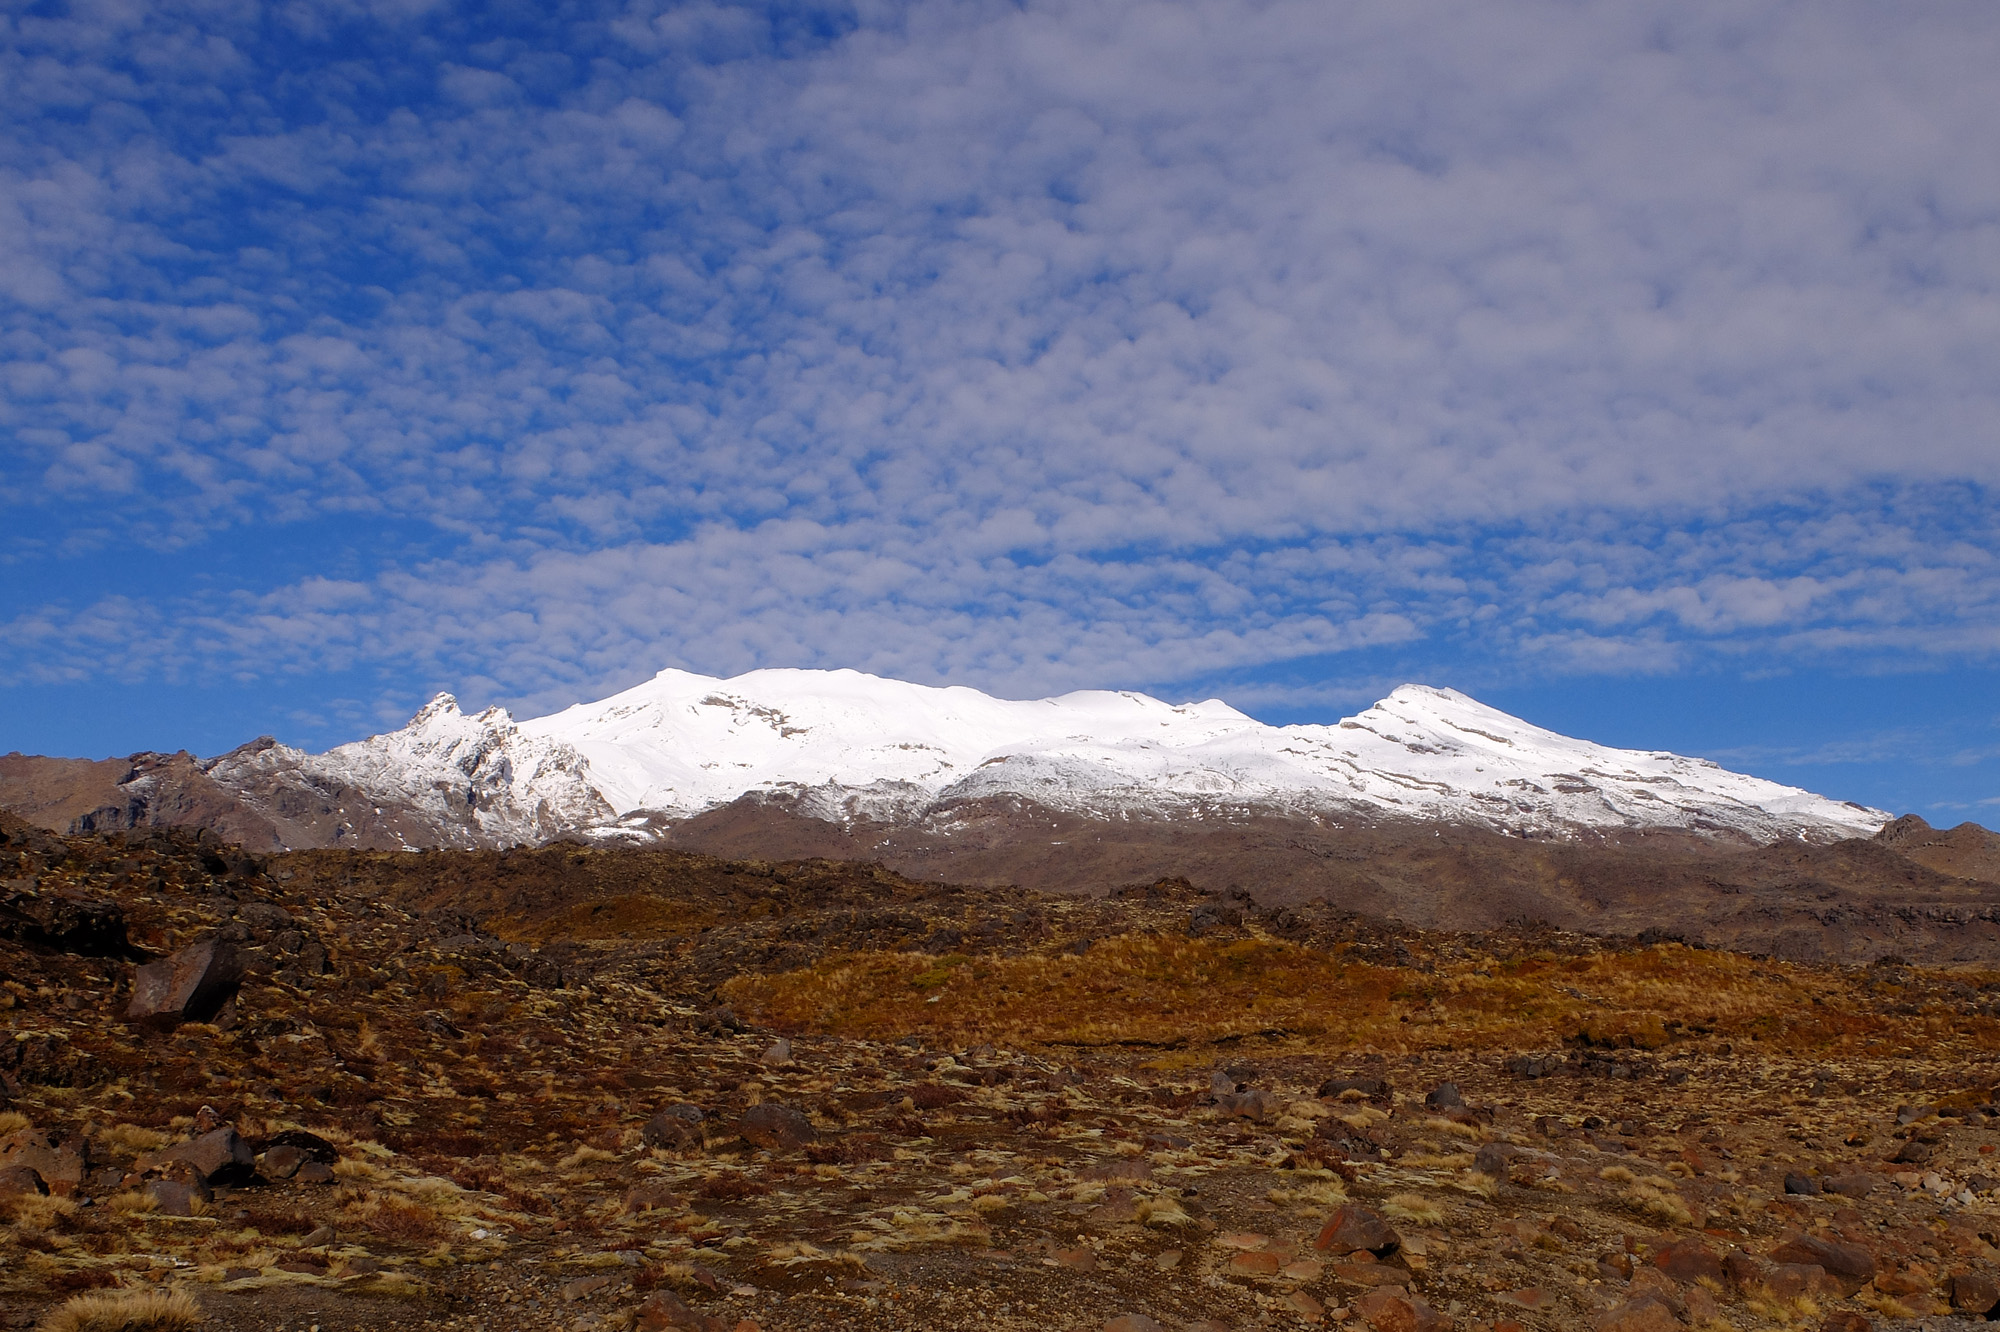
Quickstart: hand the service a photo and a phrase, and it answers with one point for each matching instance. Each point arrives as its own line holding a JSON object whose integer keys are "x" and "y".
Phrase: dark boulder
{"x": 189, "y": 986}
{"x": 674, "y": 1128}
{"x": 778, "y": 1128}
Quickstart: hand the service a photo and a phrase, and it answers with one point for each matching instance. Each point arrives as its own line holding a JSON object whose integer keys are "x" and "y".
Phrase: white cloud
{"x": 1031, "y": 345}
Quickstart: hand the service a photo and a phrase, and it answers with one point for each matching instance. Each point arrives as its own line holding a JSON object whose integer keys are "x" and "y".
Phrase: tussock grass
{"x": 1659, "y": 1204}
{"x": 1165, "y": 989}
{"x": 1801, "y": 1309}
{"x": 1413, "y": 1207}
{"x": 123, "y": 1311}
{"x": 133, "y": 1138}
{"x": 1161, "y": 1212}
{"x": 13, "y": 1121}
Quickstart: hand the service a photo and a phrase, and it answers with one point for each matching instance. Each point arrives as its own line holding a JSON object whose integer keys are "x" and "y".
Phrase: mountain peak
{"x": 843, "y": 744}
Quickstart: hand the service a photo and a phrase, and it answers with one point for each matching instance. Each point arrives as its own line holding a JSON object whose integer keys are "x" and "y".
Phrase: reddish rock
{"x": 1688, "y": 1261}
{"x": 1647, "y": 1313}
{"x": 281, "y": 1162}
{"x": 1702, "y": 1307}
{"x": 62, "y": 1169}
{"x": 776, "y": 1127}
{"x": 1076, "y": 1260}
{"x": 1354, "y": 1228}
{"x": 1368, "y": 1274}
{"x": 1974, "y": 1292}
{"x": 1262, "y": 1263}
{"x": 1133, "y": 1322}
{"x": 218, "y": 1157}
{"x": 189, "y": 986}
{"x": 1846, "y": 1321}
{"x": 1746, "y": 1271}
{"x": 664, "y": 1310}
{"x": 1788, "y": 1281}
{"x": 21, "y": 1179}
{"x": 1848, "y": 1264}
{"x": 1392, "y": 1309}
{"x": 173, "y": 1197}
{"x": 1306, "y": 1306}
{"x": 1530, "y": 1297}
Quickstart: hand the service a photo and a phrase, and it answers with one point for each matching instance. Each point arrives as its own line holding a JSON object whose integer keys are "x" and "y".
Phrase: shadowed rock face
{"x": 192, "y": 985}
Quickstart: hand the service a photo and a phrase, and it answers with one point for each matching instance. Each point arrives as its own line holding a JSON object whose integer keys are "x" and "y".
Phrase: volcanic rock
{"x": 1354, "y": 1229}
{"x": 189, "y": 986}
{"x": 778, "y": 1128}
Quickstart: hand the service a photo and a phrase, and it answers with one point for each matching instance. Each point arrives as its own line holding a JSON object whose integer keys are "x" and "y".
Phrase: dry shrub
{"x": 1159, "y": 988}
{"x": 123, "y": 1311}
{"x": 13, "y": 1121}
{"x": 64, "y": 1283}
{"x": 403, "y": 1219}
{"x": 583, "y": 1155}
{"x": 732, "y": 1188}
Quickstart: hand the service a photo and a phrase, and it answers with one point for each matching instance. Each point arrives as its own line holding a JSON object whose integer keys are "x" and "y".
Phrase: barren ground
{"x": 1024, "y": 1111}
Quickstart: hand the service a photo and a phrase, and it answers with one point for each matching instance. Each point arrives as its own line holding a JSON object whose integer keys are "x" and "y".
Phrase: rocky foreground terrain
{"x": 594, "y": 1088}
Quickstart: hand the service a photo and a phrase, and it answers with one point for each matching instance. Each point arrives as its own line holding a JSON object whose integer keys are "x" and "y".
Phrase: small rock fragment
{"x": 1133, "y": 1322}
{"x": 1393, "y": 1309}
{"x": 778, "y": 1056}
{"x": 664, "y": 1310}
{"x": 1645, "y": 1313}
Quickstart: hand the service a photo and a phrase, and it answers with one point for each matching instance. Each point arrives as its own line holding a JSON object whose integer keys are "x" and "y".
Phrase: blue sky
{"x": 1633, "y": 367}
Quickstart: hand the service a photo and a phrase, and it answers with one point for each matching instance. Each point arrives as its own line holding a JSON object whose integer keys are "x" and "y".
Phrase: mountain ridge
{"x": 843, "y": 746}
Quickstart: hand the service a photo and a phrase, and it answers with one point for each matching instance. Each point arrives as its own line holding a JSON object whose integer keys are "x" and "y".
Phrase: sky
{"x": 1633, "y": 367}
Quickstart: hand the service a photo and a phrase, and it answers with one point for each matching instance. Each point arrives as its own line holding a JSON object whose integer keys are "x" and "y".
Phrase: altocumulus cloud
{"x": 1025, "y": 345}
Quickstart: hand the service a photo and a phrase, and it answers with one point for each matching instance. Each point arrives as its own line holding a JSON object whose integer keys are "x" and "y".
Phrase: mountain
{"x": 844, "y": 748}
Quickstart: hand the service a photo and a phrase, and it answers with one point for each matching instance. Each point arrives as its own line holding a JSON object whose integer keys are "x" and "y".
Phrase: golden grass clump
{"x": 1415, "y": 1208}
{"x": 1658, "y": 1203}
{"x": 133, "y": 1138}
{"x": 13, "y": 1121}
{"x": 1162, "y": 1212}
{"x": 123, "y": 1311}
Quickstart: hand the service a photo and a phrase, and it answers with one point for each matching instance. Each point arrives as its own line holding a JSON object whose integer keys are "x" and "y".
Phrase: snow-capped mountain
{"x": 841, "y": 745}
